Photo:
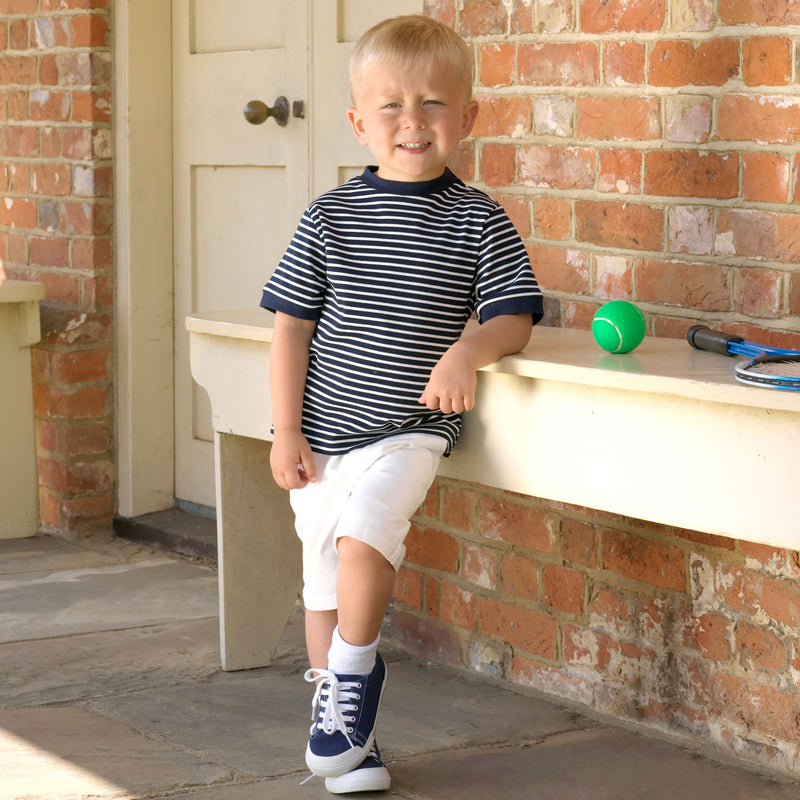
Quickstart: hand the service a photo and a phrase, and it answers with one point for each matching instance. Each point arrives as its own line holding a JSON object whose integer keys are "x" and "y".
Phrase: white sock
{"x": 349, "y": 659}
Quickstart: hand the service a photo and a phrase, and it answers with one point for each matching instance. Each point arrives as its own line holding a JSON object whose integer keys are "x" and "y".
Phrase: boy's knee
{"x": 355, "y": 550}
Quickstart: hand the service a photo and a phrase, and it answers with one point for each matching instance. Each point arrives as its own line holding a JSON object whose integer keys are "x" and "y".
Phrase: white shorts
{"x": 368, "y": 494}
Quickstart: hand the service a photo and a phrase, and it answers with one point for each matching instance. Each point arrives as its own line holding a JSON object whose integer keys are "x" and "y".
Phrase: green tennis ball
{"x": 618, "y": 326}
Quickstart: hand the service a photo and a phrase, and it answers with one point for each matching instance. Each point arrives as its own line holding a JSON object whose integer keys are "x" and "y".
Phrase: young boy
{"x": 369, "y": 371}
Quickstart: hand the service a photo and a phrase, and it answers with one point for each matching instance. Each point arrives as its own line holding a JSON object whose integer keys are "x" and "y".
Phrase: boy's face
{"x": 412, "y": 118}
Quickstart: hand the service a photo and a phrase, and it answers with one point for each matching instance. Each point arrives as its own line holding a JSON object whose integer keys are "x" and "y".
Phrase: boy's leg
{"x": 319, "y": 632}
{"x": 364, "y": 588}
{"x": 373, "y": 527}
{"x": 390, "y": 481}
{"x": 363, "y": 591}
{"x": 353, "y": 676}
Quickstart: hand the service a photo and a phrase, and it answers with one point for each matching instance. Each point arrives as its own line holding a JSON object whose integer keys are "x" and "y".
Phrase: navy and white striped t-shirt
{"x": 391, "y": 272}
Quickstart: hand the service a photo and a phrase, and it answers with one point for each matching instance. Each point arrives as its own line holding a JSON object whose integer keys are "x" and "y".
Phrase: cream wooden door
{"x": 240, "y": 189}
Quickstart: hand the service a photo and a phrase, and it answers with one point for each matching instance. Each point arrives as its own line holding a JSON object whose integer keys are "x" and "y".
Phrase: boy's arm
{"x": 291, "y": 459}
{"x": 451, "y": 386}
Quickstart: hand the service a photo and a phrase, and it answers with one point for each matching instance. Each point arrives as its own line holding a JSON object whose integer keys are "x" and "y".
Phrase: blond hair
{"x": 408, "y": 39}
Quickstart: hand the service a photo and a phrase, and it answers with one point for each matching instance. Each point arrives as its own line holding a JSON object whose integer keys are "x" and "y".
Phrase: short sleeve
{"x": 298, "y": 285}
{"x": 505, "y": 283}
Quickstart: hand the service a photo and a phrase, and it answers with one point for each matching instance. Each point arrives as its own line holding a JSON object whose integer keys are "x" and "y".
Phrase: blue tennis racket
{"x": 772, "y": 367}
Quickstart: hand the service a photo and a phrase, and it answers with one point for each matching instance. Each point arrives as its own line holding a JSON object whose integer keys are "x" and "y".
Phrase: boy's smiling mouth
{"x": 414, "y": 146}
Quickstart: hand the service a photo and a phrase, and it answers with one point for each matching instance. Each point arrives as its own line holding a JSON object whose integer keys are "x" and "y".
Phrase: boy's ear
{"x": 468, "y": 120}
{"x": 357, "y": 124}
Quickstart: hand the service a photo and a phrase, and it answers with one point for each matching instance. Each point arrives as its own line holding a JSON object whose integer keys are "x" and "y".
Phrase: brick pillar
{"x": 56, "y": 227}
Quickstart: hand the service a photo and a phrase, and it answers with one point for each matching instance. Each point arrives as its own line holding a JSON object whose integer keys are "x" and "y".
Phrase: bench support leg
{"x": 260, "y": 569}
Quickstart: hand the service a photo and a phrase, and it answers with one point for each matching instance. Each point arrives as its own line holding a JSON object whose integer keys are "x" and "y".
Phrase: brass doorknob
{"x": 256, "y": 112}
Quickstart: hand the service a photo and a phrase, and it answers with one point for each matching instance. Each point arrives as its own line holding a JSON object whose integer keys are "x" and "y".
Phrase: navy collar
{"x": 417, "y": 188}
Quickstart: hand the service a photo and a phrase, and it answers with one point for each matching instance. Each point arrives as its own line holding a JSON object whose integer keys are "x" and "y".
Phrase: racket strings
{"x": 774, "y": 369}
{"x": 788, "y": 367}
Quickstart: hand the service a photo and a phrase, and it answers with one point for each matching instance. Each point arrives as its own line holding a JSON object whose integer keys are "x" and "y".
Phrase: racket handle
{"x": 704, "y": 338}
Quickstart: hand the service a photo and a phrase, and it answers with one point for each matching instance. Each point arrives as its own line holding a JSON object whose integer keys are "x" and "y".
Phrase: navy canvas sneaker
{"x": 345, "y": 713}
{"x": 370, "y": 775}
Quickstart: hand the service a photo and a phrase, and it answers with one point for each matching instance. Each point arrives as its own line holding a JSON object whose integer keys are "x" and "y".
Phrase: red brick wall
{"x": 685, "y": 632}
{"x": 56, "y": 227}
{"x": 645, "y": 150}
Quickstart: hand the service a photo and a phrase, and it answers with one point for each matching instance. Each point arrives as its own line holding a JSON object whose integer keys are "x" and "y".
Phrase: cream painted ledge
{"x": 664, "y": 434}
{"x": 20, "y": 328}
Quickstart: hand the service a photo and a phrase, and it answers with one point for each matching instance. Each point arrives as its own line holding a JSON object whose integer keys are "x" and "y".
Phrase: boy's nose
{"x": 414, "y": 118}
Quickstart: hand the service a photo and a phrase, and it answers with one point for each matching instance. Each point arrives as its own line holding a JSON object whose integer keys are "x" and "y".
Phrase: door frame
{"x": 144, "y": 263}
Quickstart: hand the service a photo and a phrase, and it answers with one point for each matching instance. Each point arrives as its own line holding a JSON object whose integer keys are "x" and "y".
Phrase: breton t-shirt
{"x": 391, "y": 272}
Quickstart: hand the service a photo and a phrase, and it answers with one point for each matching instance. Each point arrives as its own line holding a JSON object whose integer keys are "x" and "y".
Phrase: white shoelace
{"x": 333, "y": 698}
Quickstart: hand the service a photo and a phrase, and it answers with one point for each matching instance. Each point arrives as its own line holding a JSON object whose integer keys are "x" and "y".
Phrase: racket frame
{"x": 747, "y": 372}
{"x": 702, "y": 337}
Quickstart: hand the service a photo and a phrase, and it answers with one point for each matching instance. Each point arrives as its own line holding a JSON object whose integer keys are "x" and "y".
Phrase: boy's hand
{"x": 453, "y": 380}
{"x": 451, "y": 387}
{"x": 292, "y": 461}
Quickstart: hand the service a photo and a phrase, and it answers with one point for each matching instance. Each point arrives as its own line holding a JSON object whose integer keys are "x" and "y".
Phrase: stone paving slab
{"x": 592, "y": 764}
{"x": 64, "y": 602}
{"x": 599, "y": 764}
{"x": 50, "y": 554}
{"x": 58, "y": 670}
{"x": 277, "y": 789}
{"x": 258, "y": 722}
{"x": 65, "y": 753}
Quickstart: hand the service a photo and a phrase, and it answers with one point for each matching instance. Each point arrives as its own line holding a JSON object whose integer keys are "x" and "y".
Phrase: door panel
{"x": 231, "y": 206}
{"x": 236, "y": 25}
{"x": 358, "y": 16}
